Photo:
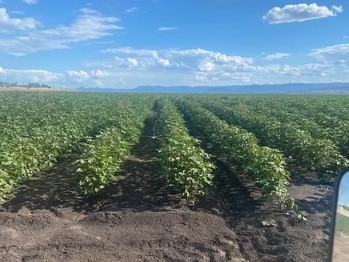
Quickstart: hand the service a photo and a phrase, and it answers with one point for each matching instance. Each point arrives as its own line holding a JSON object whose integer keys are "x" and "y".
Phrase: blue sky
{"x": 343, "y": 195}
{"x": 125, "y": 44}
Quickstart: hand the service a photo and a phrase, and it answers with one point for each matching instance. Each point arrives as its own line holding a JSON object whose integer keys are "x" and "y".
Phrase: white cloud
{"x": 163, "y": 62}
{"x": 206, "y": 66}
{"x": 132, "y": 61}
{"x": 132, "y": 9}
{"x": 100, "y": 73}
{"x": 276, "y": 56}
{"x": 337, "y": 9}
{"x": 182, "y": 67}
{"x": 338, "y": 54}
{"x": 30, "y": 76}
{"x": 129, "y": 67}
{"x": 89, "y": 25}
{"x": 300, "y": 13}
{"x": 190, "y": 59}
{"x": 213, "y": 56}
{"x": 131, "y": 51}
{"x": 9, "y": 23}
{"x": 167, "y": 28}
{"x": 79, "y": 74}
{"x": 30, "y": 2}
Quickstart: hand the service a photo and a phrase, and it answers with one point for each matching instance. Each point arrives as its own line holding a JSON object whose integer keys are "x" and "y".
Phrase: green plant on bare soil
{"x": 103, "y": 155}
{"x": 315, "y": 153}
{"x": 186, "y": 165}
{"x": 266, "y": 167}
{"x": 38, "y": 128}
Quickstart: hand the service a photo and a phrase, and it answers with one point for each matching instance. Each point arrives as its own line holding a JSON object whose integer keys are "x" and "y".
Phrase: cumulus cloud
{"x": 30, "y": 76}
{"x": 190, "y": 59}
{"x": 300, "y": 13}
{"x": 167, "y": 28}
{"x": 276, "y": 73}
{"x": 9, "y": 23}
{"x": 132, "y": 61}
{"x": 82, "y": 76}
{"x": 276, "y": 56}
{"x": 130, "y": 67}
{"x": 30, "y": 2}
{"x": 206, "y": 66}
{"x": 186, "y": 66}
{"x": 79, "y": 75}
{"x": 100, "y": 73}
{"x": 89, "y": 25}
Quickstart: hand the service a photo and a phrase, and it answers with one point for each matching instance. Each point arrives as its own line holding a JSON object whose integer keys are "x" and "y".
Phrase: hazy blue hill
{"x": 294, "y": 88}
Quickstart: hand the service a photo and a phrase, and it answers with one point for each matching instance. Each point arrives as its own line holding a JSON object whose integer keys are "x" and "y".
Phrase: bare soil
{"x": 137, "y": 218}
{"x": 340, "y": 250}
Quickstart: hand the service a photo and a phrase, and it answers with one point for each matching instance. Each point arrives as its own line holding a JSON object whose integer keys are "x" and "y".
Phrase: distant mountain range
{"x": 294, "y": 88}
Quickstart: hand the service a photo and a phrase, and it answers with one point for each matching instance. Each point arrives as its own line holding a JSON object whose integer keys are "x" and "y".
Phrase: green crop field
{"x": 262, "y": 136}
{"x": 342, "y": 224}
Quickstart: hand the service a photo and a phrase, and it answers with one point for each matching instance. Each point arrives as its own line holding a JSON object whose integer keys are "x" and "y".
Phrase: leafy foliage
{"x": 187, "y": 166}
{"x": 263, "y": 165}
{"x": 36, "y": 128}
{"x": 315, "y": 154}
{"x": 103, "y": 156}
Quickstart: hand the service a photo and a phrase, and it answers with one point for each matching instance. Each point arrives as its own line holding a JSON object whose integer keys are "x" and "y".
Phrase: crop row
{"x": 322, "y": 117}
{"x": 253, "y": 134}
{"x": 102, "y": 156}
{"x": 187, "y": 167}
{"x": 266, "y": 167}
{"x": 319, "y": 155}
{"x": 37, "y": 128}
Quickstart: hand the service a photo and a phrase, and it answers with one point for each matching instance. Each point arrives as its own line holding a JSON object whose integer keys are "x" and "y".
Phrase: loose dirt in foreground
{"x": 136, "y": 218}
{"x": 340, "y": 250}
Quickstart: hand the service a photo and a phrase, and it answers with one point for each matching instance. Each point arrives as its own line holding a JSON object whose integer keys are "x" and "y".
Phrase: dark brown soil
{"x": 137, "y": 218}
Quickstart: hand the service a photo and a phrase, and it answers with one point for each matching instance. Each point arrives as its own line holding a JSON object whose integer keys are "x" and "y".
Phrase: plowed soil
{"x": 137, "y": 218}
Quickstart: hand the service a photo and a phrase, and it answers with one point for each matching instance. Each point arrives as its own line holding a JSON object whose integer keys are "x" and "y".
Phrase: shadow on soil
{"x": 137, "y": 186}
{"x": 140, "y": 187}
{"x": 50, "y": 190}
